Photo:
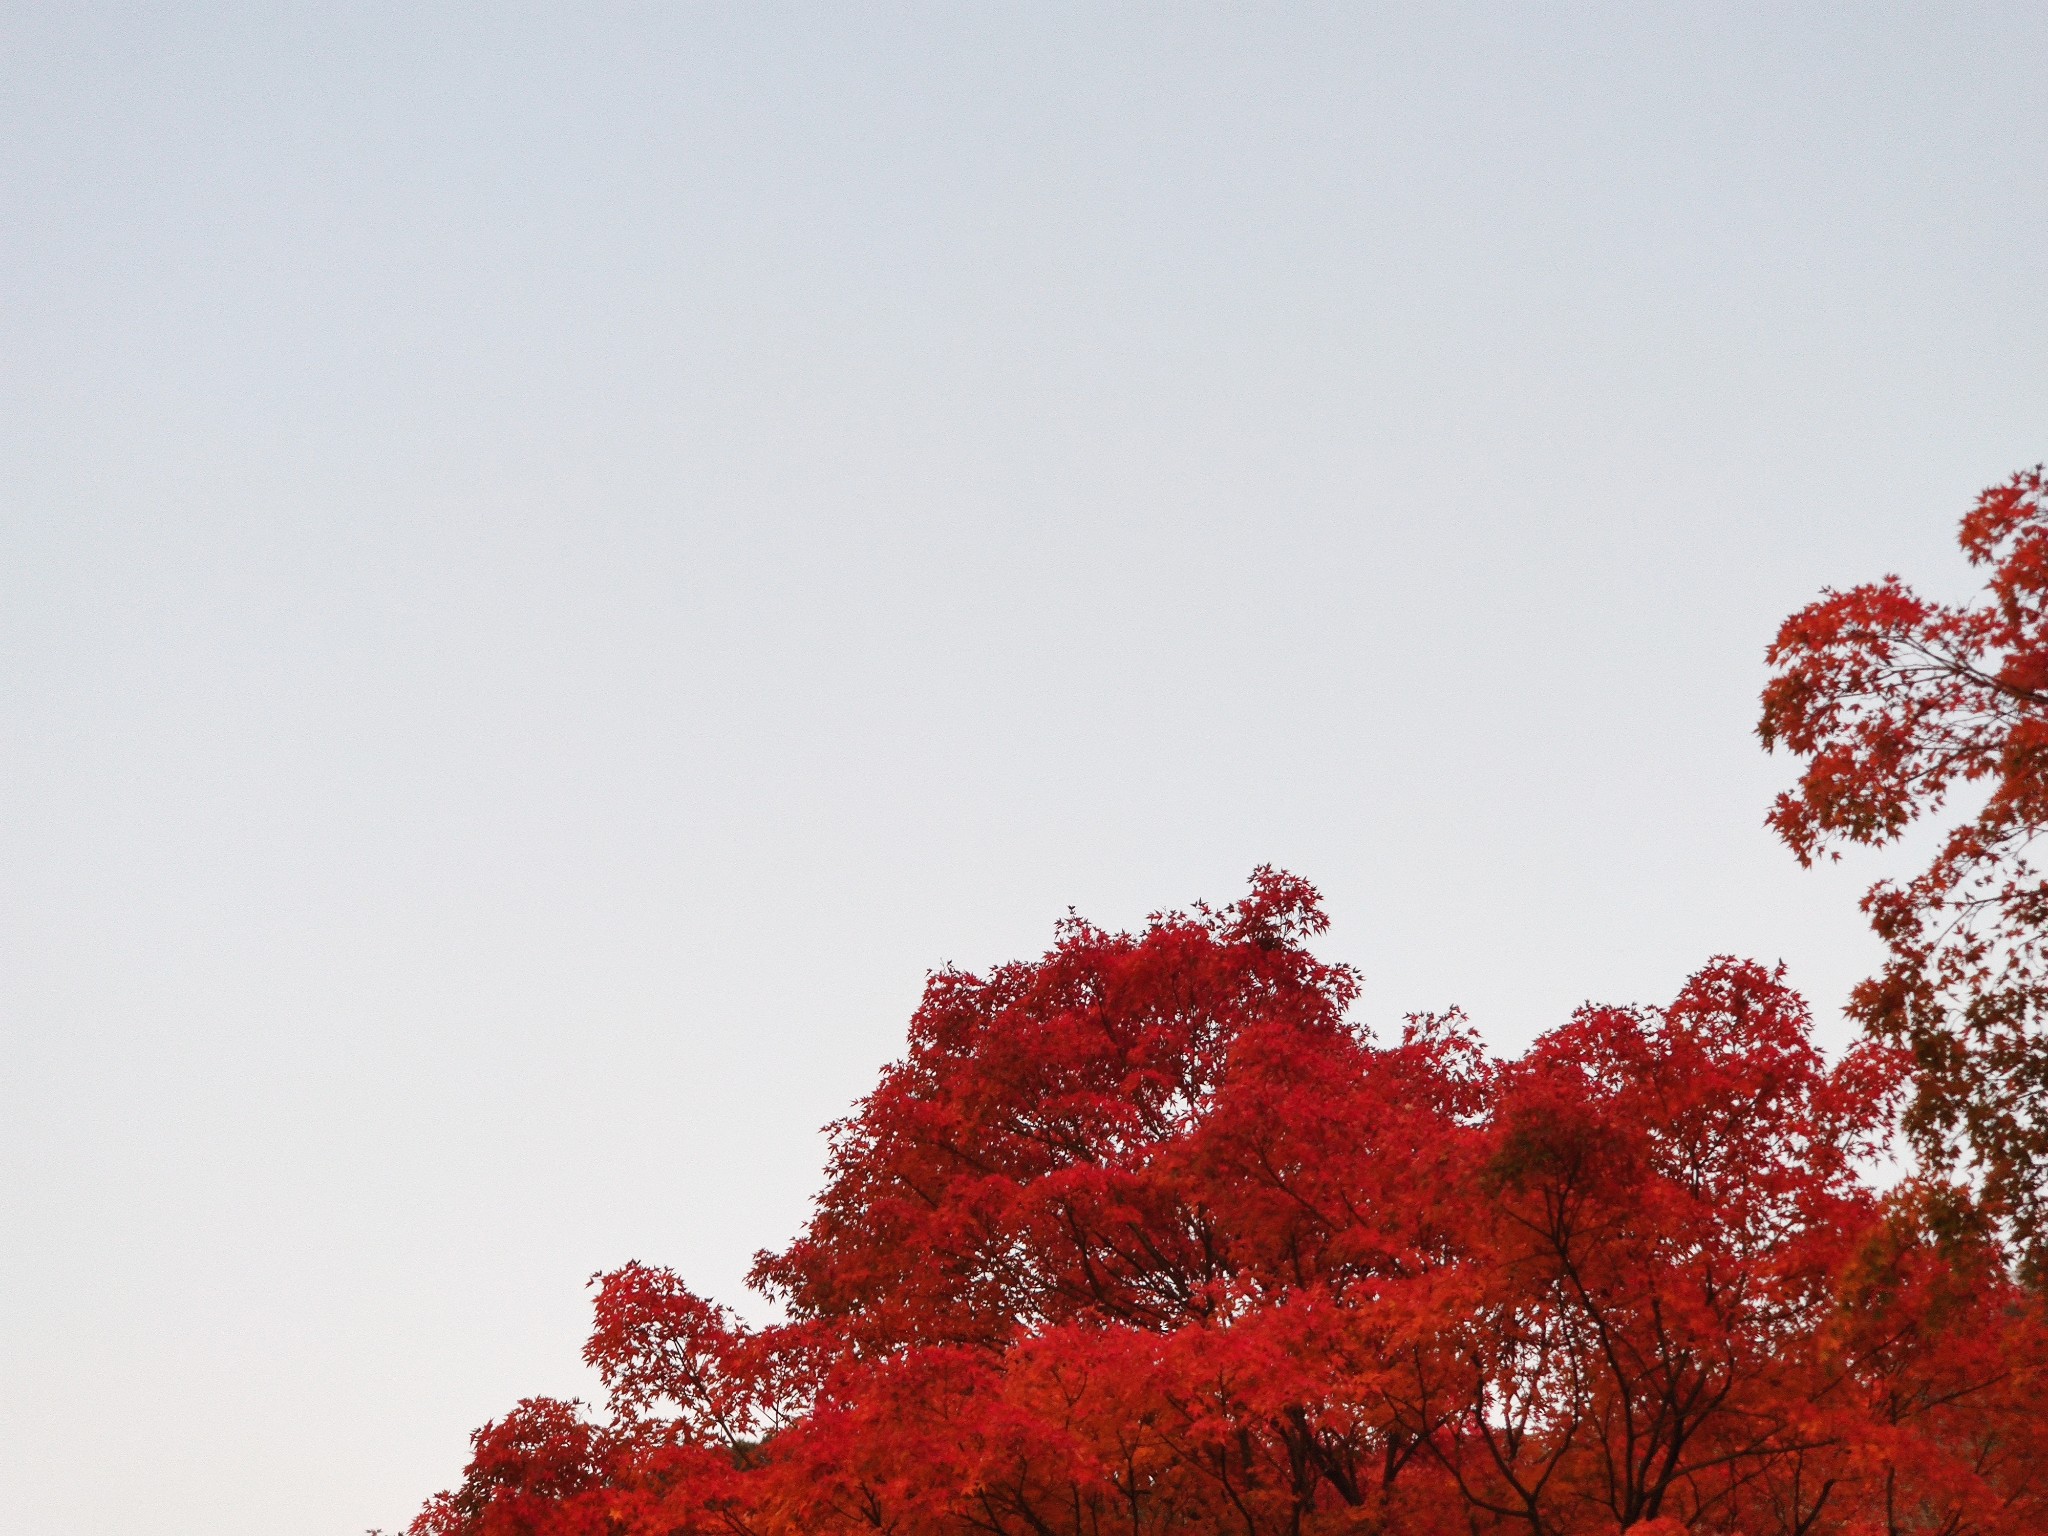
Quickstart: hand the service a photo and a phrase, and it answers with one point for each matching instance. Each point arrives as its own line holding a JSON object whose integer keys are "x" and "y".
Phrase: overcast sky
{"x": 555, "y": 560}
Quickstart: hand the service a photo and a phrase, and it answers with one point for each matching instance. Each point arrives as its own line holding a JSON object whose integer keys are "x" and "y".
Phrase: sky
{"x": 554, "y": 561}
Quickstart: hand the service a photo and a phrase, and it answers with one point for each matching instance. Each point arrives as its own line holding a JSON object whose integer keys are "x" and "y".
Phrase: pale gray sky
{"x": 556, "y": 559}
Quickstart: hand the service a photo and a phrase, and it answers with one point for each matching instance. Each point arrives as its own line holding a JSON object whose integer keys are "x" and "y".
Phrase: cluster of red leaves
{"x": 1896, "y": 703}
{"x": 1146, "y": 1237}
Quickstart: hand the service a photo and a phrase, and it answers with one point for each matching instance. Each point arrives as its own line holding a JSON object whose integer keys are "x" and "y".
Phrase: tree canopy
{"x": 1897, "y": 703}
{"x": 1150, "y": 1236}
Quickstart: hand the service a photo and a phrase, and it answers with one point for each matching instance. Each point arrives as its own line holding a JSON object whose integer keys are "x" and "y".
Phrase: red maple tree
{"x": 1148, "y": 1236}
{"x": 1897, "y": 703}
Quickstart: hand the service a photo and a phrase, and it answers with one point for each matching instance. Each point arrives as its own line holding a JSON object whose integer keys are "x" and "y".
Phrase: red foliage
{"x": 1147, "y": 1237}
{"x": 1895, "y": 703}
